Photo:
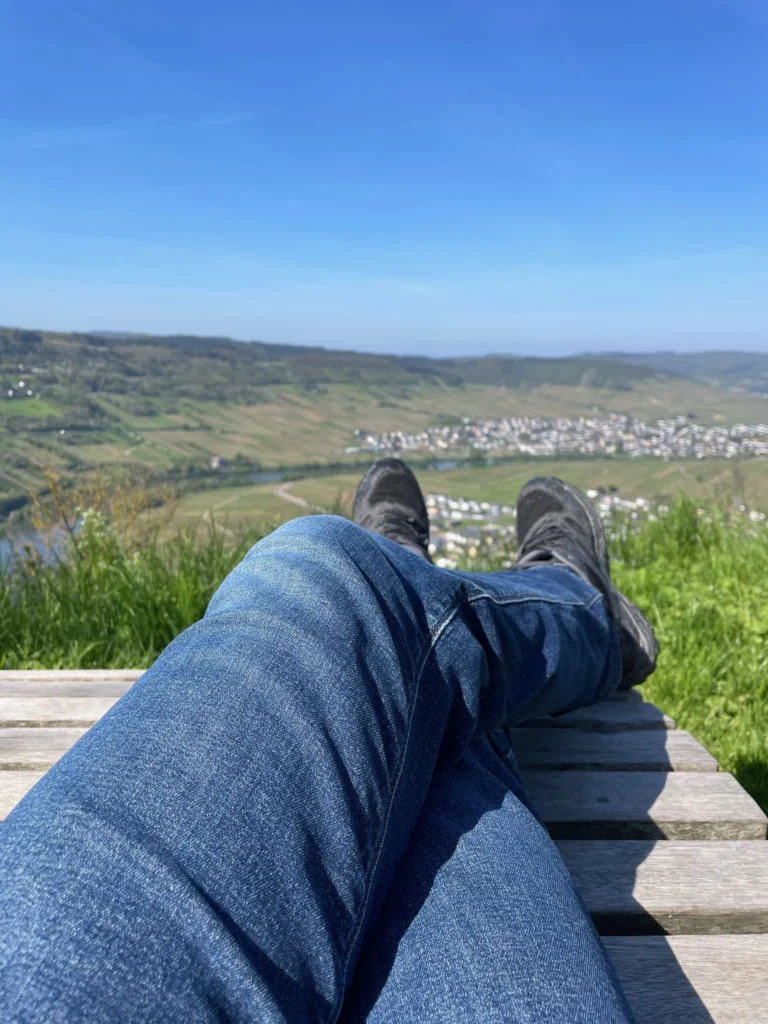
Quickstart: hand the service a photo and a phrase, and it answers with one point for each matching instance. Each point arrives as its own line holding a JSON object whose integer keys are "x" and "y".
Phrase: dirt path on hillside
{"x": 284, "y": 491}
{"x": 208, "y": 518}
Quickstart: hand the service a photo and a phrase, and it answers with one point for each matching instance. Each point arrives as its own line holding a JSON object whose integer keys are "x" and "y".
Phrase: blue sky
{"x": 453, "y": 177}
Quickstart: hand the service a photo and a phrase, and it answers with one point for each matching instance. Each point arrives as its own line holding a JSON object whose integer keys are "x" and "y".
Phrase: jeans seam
{"x": 434, "y": 637}
{"x": 576, "y": 603}
{"x": 432, "y": 640}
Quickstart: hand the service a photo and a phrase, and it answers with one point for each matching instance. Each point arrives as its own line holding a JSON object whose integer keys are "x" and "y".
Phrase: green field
{"x": 289, "y": 427}
{"x": 719, "y": 480}
{"x": 166, "y": 406}
{"x": 709, "y": 479}
{"x": 293, "y": 428}
{"x": 30, "y": 408}
{"x": 236, "y": 507}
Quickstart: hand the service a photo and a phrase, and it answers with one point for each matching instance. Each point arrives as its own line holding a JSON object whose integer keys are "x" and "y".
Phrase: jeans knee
{"x": 310, "y": 560}
{"x": 330, "y": 541}
{"x": 328, "y": 528}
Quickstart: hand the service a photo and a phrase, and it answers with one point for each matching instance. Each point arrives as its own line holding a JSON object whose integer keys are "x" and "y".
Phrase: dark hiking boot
{"x": 558, "y": 525}
{"x": 389, "y": 501}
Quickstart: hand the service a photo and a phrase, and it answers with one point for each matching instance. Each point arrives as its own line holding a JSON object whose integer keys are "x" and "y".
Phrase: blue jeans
{"x": 300, "y": 812}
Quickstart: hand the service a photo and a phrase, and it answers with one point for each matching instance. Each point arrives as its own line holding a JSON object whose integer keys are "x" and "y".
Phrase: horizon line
{"x": 613, "y": 353}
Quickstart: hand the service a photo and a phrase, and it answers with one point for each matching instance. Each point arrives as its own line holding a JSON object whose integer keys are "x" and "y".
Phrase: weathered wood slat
{"x": 694, "y": 979}
{"x": 668, "y": 887}
{"x": 632, "y": 750}
{"x": 644, "y": 805}
{"x": 609, "y": 714}
{"x": 651, "y": 750}
{"x": 10, "y": 689}
{"x": 52, "y": 711}
{"x": 37, "y": 675}
{"x": 14, "y": 786}
{"x": 30, "y": 749}
{"x": 83, "y": 683}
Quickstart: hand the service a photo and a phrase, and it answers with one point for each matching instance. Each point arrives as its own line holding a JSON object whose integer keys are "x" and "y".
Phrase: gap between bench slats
{"x": 670, "y": 887}
{"x": 644, "y": 805}
{"x": 631, "y": 750}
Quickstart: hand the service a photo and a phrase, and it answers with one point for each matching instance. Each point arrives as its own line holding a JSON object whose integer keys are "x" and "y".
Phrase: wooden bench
{"x": 665, "y": 849}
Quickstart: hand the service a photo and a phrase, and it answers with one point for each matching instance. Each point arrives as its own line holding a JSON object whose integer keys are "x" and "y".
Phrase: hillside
{"x": 224, "y": 370}
{"x": 168, "y": 405}
{"x": 747, "y": 371}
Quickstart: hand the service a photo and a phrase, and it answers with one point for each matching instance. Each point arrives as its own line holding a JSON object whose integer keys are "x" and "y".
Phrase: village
{"x": 676, "y": 437}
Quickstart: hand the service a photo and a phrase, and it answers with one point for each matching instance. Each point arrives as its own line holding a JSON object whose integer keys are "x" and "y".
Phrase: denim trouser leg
{"x": 483, "y": 923}
{"x": 216, "y": 847}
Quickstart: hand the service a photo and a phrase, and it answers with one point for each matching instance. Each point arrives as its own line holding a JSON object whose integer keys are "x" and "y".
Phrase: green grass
{"x": 701, "y": 580}
{"x": 703, "y": 585}
{"x": 109, "y": 606}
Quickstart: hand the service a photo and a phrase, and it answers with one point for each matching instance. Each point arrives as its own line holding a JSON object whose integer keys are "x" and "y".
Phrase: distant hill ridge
{"x": 736, "y": 369}
{"x": 216, "y": 368}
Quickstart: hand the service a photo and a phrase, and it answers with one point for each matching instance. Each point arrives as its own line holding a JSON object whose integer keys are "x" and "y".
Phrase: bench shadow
{"x": 655, "y": 984}
{"x": 414, "y": 886}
